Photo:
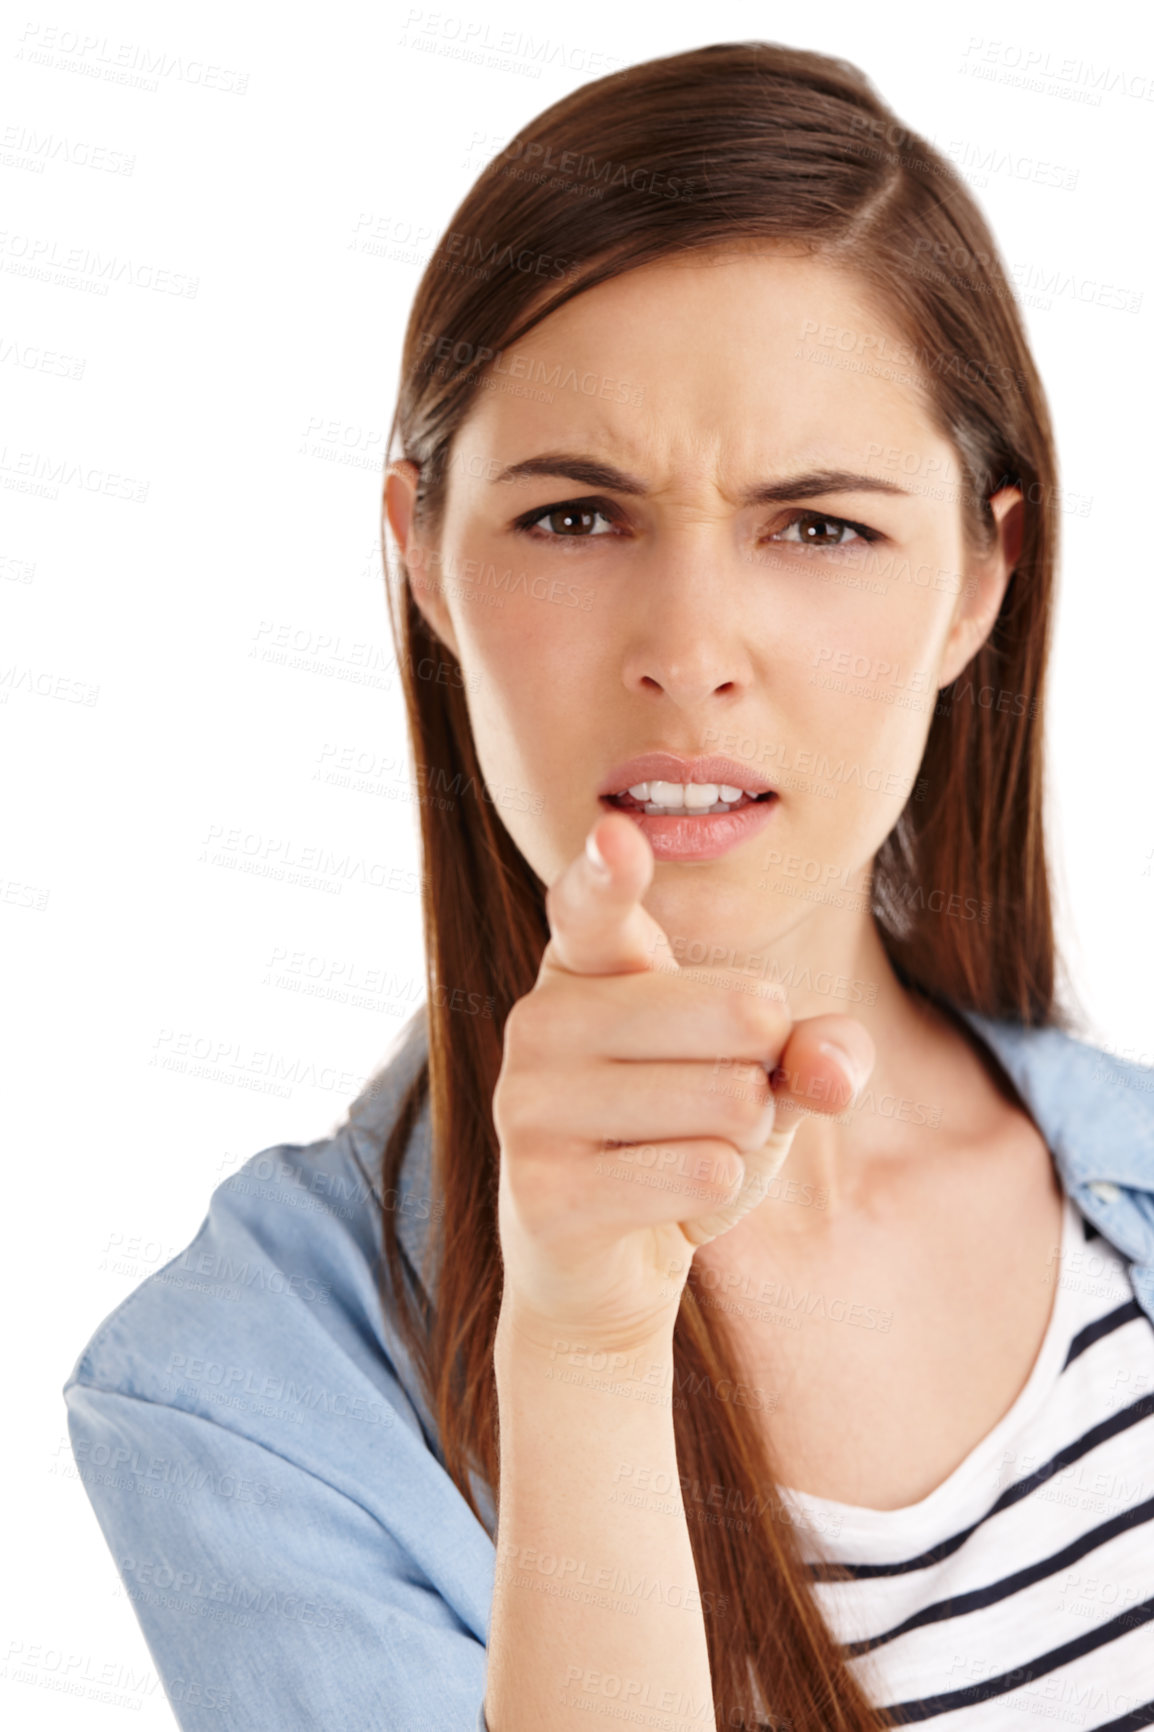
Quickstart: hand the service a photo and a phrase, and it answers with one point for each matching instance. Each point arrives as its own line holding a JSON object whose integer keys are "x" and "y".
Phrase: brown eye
{"x": 815, "y": 529}
{"x": 569, "y": 521}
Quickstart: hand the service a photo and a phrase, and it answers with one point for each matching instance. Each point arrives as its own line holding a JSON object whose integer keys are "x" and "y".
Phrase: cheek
{"x": 529, "y": 662}
{"x": 533, "y": 668}
{"x": 855, "y": 697}
{"x": 871, "y": 619}
{"x": 514, "y": 606}
{"x": 873, "y": 657}
{"x": 858, "y": 744}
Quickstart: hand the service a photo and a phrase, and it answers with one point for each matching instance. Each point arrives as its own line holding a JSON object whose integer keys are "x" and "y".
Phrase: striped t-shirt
{"x": 1021, "y": 1591}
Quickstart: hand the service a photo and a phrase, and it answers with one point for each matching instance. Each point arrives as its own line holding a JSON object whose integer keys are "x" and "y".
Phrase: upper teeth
{"x": 693, "y": 796}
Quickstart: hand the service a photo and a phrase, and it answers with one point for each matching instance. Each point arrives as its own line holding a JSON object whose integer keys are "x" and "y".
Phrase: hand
{"x": 641, "y": 1109}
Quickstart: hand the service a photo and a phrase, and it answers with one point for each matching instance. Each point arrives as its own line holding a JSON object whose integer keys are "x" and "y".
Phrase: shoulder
{"x": 1096, "y": 1111}
{"x": 1085, "y": 1093}
{"x": 273, "y": 1313}
{"x": 259, "y": 1457}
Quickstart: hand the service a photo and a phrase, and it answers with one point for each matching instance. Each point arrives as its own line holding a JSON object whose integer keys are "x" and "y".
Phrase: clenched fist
{"x": 641, "y": 1108}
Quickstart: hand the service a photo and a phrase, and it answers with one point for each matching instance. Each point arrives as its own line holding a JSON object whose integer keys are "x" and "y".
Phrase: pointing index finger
{"x": 596, "y": 921}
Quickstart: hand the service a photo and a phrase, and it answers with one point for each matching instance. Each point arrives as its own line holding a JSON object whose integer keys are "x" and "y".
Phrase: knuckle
{"x": 763, "y": 1021}
{"x": 530, "y": 1027}
{"x": 557, "y": 900}
{"x": 753, "y": 1080}
{"x": 562, "y": 1010}
{"x": 544, "y": 1188}
{"x": 516, "y": 1054}
{"x": 712, "y": 1165}
{"x": 520, "y": 1111}
{"x": 531, "y": 1193}
{"x": 743, "y": 1094}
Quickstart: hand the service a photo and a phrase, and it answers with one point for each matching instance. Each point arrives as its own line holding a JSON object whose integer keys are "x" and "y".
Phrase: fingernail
{"x": 855, "y": 1077}
{"x": 595, "y": 857}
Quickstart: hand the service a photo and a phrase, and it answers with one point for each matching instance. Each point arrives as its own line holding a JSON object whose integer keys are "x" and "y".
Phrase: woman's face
{"x": 659, "y": 606}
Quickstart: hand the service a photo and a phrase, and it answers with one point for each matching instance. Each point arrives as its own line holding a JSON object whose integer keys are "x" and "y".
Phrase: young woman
{"x": 740, "y": 1220}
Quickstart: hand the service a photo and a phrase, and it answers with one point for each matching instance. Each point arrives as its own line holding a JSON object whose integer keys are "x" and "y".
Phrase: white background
{"x": 255, "y": 411}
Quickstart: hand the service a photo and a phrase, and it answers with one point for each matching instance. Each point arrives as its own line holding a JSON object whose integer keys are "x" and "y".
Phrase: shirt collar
{"x": 370, "y": 1119}
{"x": 1095, "y": 1111}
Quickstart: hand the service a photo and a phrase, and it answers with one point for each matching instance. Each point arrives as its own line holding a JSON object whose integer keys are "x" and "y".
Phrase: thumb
{"x": 822, "y": 1068}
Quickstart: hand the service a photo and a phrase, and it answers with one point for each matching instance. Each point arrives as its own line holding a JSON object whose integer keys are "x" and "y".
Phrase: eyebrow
{"x": 808, "y": 485}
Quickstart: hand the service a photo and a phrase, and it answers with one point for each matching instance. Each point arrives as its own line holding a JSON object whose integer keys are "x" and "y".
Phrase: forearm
{"x": 596, "y": 1599}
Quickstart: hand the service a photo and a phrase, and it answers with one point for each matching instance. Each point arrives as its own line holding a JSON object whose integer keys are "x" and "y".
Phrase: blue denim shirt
{"x": 257, "y": 1449}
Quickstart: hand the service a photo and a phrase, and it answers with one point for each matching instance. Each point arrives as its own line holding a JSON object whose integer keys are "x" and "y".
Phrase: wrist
{"x": 523, "y": 1334}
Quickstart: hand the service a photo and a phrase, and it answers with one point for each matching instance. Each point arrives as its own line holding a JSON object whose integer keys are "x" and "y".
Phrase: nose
{"x": 686, "y": 684}
{"x": 685, "y": 640}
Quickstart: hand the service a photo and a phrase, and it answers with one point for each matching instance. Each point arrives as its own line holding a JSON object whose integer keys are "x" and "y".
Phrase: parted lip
{"x": 670, "y": 767}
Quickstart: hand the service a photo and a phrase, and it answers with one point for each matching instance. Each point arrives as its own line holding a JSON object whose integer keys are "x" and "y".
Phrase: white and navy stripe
{"x": 1022, "y": 1588}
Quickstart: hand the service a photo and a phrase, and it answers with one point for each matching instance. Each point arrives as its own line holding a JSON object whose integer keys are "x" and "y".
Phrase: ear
{"x": 985, "y": 584}
{"x": 400, "y": 502}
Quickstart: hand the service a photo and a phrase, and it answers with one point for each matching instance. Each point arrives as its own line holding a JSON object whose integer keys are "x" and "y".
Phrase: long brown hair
{"x": 693, "y": 150}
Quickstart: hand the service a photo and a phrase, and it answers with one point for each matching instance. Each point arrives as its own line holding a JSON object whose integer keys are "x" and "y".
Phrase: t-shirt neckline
{"x": 917, "y": 1519}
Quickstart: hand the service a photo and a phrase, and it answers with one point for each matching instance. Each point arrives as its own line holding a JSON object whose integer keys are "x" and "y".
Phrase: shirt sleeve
{"x": 270, "y": 1599}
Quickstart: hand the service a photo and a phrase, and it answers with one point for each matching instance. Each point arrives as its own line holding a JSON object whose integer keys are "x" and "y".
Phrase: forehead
{"x": 707, "y": 366}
